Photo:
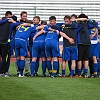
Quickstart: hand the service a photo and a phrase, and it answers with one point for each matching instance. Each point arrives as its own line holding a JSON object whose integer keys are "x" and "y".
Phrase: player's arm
{"x": 68, "y": 38}
{"x": 39, "y": 33}
{"x": 79, "y": 19}
{"x": 92, "y": 35}
{"x": 3, "y": 21}
{"x": 40, "y": 27}
{"x": 25, "y": 24}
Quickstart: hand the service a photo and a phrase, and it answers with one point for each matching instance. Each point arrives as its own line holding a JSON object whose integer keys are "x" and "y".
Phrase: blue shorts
{"x": 52, "y": 48}
{"x": 12, "y": 47}
{"x": 94, "y": 50}
{"x": 98, "y": 50}
{"x": 21, "y": 48}
{"x": 38, "y": 49}
{"x": 70, "y": 53}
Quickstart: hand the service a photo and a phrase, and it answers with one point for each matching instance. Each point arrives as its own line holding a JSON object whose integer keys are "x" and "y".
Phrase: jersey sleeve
{"x": 3, "y": 21}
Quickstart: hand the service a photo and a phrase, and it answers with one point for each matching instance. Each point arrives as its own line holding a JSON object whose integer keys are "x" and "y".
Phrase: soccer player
{"x": 38, "y": 49}
{"x": 23, "y": 19}
{"x": 8, "y": 14}
{"x": 5, "y": 30}
{"x": 93, "y": 65}
{"x": 69, "y": 50}
{"x": 98, "y": 51}
{"x": 21, "y": 45}
{"x": 83, "y": 41}
{"x": 36, "y": 21}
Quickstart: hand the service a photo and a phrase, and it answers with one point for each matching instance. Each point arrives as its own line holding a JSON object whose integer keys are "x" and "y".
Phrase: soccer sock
{"x": 37, "y": 66}
{"x": 95, "y": 69}
{"x": 58, "y": 68}
{"x": 49, "y": 66}
{"x": 55, "y": 67}
{"x": 72, "y": 72}
{"x": 32, "y": 68}
{"x": 63, "y": 72}
{"x": 44, "y": 63}
{"x": 85, "y": 71}
{"x": 22, "y": 65}
{"x": 8, "y": 65}
{"x": 69, "y": 65}
{"x": 18, "y": 63}
{"x": 98, "y": 67}
{"x": 79, "y": 72}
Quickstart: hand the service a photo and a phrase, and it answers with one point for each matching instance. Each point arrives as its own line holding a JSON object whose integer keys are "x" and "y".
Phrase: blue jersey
{"x": 50, "y": 34}
{"x": 32, "y": 35}
{"x": 23, "y": 32}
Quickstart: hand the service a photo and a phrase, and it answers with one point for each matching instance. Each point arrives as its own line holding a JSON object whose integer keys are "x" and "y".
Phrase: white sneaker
{"x": 20, "y": 75}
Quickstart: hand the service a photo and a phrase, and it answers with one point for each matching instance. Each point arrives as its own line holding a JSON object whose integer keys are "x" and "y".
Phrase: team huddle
{"x": 35, "y": 39}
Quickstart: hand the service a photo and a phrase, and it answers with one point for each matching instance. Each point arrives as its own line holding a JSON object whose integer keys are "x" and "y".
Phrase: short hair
{"x": 67, "y": 16}
{"x": 82, "y": 16}
{"x": 14, "y": 18}
{"x": 37, "y": 17}
{"x": 29, "y": 21}
{"x": 8, "y": 12}
{"x": 73, "y": 15}
{"x": 43, "y": 22}
{"x": 23, "y": 12}
{"x": 52, "y": 18}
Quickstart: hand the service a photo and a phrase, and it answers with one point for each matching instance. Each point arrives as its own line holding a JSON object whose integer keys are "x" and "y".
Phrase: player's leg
{"x": 56, "y": 54}
{"x": 27, "y": 64}
{"x": 33, "y": 64}
{"x": 74, "y": 57}
{"x": 49, "y": 56}
{"x": 80, "y": 58}
{"x": 65, "y": 58}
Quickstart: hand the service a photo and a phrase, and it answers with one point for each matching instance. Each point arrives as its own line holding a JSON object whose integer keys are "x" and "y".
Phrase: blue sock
{"x": 98, "y": 67}
{"x": 49, "y": 66}
{"x": 32, "y": 68}
{"x": 21, "y": 67}
{"x": 85, "y": 71}
{"x": 37, "y": 66}
{"x": 95, "y": 68}
{"x": 18, "y": 63}
{"x": 79, "y": 72}
{"x": 63, "y": 72}
{"x": 44, "y": 64}
{"x": 55, "y": 67}
{"x": 82, "y": 67}
{"x": 72, "y": 72}
{"x": 22, "y": 64}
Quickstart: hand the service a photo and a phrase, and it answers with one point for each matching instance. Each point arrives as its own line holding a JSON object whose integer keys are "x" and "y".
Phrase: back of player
{"x": 21, "y": 49}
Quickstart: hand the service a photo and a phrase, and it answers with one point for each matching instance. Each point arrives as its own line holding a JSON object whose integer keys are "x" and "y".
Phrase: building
{"x": 46, "y": 8}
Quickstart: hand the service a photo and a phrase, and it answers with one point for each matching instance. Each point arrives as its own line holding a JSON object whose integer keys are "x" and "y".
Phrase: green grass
{"x": 38, "y": 88}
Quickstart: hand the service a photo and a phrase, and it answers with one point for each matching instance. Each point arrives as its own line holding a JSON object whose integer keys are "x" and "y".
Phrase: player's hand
{"x": 34, "y": 38}
{"x": 91, "y": 36}
{"x": 11, "y": 20}
{"x": 71, "y": 40}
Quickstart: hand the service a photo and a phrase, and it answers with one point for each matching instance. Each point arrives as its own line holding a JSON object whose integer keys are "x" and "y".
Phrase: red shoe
{"x": 70, "y": 76}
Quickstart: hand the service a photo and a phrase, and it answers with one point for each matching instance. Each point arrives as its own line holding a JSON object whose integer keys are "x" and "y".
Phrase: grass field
{"x": 39, "y": 88}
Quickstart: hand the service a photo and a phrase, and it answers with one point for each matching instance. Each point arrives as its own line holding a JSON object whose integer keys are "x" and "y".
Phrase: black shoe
{"x": 27, "y": 74}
